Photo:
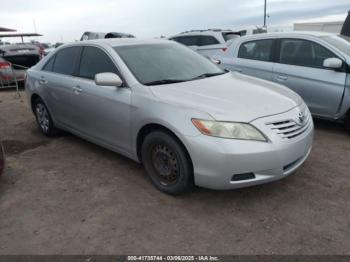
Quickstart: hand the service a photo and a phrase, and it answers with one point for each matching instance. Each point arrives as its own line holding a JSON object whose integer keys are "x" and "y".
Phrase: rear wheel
{"x": 167, "y": 163}
{"x": 43, "y": 118}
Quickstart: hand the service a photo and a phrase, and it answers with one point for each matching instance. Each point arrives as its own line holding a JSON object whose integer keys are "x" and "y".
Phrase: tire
{"x": 43, "y": 119}
{"x": 167, "y": 163}
{"x": 347, "y": 122}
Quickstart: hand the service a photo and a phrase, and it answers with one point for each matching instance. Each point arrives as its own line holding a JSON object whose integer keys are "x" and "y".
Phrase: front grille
{"x": 289, "y": 129}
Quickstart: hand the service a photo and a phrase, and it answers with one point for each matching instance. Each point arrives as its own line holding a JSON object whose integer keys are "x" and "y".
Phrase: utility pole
{"x": 265, "y": 15}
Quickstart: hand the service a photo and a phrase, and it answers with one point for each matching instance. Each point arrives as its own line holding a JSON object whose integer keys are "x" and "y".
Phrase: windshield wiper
{"x": 208, "y": 75}
{"x": 164, "y": 82}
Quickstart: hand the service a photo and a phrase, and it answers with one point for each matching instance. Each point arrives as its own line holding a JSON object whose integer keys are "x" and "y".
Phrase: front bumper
{"x": 217, "y": 160}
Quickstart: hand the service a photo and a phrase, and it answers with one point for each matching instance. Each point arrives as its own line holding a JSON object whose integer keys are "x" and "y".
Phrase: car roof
{"x": 113, "y": 42}
{"x": 290, "y": 34}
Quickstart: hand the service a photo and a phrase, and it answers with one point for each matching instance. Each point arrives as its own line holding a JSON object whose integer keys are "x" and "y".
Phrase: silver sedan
{"x": 185, "y": 119}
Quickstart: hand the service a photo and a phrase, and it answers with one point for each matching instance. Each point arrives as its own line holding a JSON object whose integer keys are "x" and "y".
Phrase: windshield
{"x": 166, "y": 63}
{"x": 341, "y": 42}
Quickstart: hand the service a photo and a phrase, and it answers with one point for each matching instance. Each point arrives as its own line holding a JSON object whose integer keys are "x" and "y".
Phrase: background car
{"x": 206, "y": 42}
{"x": 51, "y": 48}
{"x": 2, "y": 159}
{"x": 20, "y": 57}
{"x": 160, "y": 103}
{"x": 313, "y": 64}
{"x": 99, "y": 35}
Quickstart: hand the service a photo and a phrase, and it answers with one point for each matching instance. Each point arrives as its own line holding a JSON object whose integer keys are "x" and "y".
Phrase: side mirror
{"x": 333, "y": 63}
{"x": 108, "y": 79}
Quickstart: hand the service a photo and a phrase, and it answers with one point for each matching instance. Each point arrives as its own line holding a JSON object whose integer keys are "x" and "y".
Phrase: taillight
{"x": 224, "y": 49}
{"x": 5, "y": 70}
{"x": 5, "y": 65}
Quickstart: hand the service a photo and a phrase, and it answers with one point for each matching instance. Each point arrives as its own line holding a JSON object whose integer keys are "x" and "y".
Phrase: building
{"x": 331, "y": 27}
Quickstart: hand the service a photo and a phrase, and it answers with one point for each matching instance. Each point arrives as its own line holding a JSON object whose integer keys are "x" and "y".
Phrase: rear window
{"x": 207, "y": 40}
{"x": 186, "y": 40}
{"x": 198, "y": 40}
{"x": 229, "y": 36}
{"x": 65, "y": 61}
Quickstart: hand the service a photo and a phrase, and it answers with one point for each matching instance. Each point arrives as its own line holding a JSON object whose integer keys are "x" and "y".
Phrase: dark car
{"x": 15, "y": 59}
{"x": 99, "y": 35}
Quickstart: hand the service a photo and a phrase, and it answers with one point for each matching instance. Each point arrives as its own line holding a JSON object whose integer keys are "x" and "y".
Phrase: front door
{"x": 301, "y": 69}
{"x": 101, "y": 112}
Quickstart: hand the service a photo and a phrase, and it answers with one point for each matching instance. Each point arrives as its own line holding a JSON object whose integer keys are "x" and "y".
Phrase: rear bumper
{"x": 10, "y": 78}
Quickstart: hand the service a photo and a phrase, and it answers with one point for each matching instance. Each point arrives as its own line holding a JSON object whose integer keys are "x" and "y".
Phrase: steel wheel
{"x": 43, "y": 117}
{"x": 167, "y": 163}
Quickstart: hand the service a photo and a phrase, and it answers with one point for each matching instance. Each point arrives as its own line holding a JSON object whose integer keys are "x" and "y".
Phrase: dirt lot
{"x": 68, "y": 196}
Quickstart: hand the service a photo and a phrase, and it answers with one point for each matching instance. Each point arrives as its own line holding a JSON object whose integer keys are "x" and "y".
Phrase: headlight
{"x": 228, "y": 130}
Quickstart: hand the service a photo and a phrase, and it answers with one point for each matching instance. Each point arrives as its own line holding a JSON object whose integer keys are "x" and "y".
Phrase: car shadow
{"x": 329, "y": 126}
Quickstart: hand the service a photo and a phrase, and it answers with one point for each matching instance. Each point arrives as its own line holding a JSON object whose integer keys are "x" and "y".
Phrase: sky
{"x": 66, "y": 20}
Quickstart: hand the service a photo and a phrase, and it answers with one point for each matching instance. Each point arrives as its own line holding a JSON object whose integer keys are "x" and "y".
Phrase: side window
{"x": 256, "y": 50}
{"x": 187, "y": 40}
{"x": 66, "y": 60}
{"x": 303, "y": 53}
{"x": 207, "y": 40}
{"x": 48, "y": 67}
{"x": 94, "y": 61}
{"x": 321, "y": 53}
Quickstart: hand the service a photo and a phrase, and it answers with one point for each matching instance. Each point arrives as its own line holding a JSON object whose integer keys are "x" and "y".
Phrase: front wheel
{"x": 167, "y": 163}
{"x": 43, "y": 118}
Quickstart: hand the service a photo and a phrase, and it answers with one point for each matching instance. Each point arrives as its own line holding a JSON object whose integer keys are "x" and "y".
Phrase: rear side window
{"x": 187, "y": 40}
{"x": 303, "y": 53}
{"x": 94, "y": 61}
{"x": 207, "y": 40}
{"x": 260, "y": 50}
{"x": 66, "y": 60}
{"x": 49, "y": 65}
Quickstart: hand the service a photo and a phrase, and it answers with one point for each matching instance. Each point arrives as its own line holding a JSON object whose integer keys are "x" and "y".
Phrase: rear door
{"x": 57, "y": 80}
{"x": 300, "y": 67}
{"x": 101, "y": 112}
{"x": 253, "y": 58}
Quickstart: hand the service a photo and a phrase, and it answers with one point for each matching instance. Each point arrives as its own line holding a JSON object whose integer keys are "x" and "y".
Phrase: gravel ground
{"x": 68, "y": 196}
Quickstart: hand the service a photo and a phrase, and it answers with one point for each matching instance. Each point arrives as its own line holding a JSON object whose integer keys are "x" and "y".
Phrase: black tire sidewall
{"x": 185, "y": 182}
{"x": 347, "y": 122}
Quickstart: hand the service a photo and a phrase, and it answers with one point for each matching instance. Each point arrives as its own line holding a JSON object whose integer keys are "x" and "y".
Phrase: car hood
{"x": 230, "y": 97}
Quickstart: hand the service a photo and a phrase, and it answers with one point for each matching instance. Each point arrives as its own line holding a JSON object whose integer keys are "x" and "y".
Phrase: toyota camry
{"x": 163, "y": 105}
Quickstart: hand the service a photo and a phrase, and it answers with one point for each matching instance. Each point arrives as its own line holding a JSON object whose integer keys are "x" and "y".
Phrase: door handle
{"x": 42, "y": 81}
{"x": 282, "y": 78}
{"x": 77, "y": 89}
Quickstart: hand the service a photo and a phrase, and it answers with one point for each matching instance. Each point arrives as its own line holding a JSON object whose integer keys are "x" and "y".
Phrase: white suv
{"x": 206, "y": 42}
